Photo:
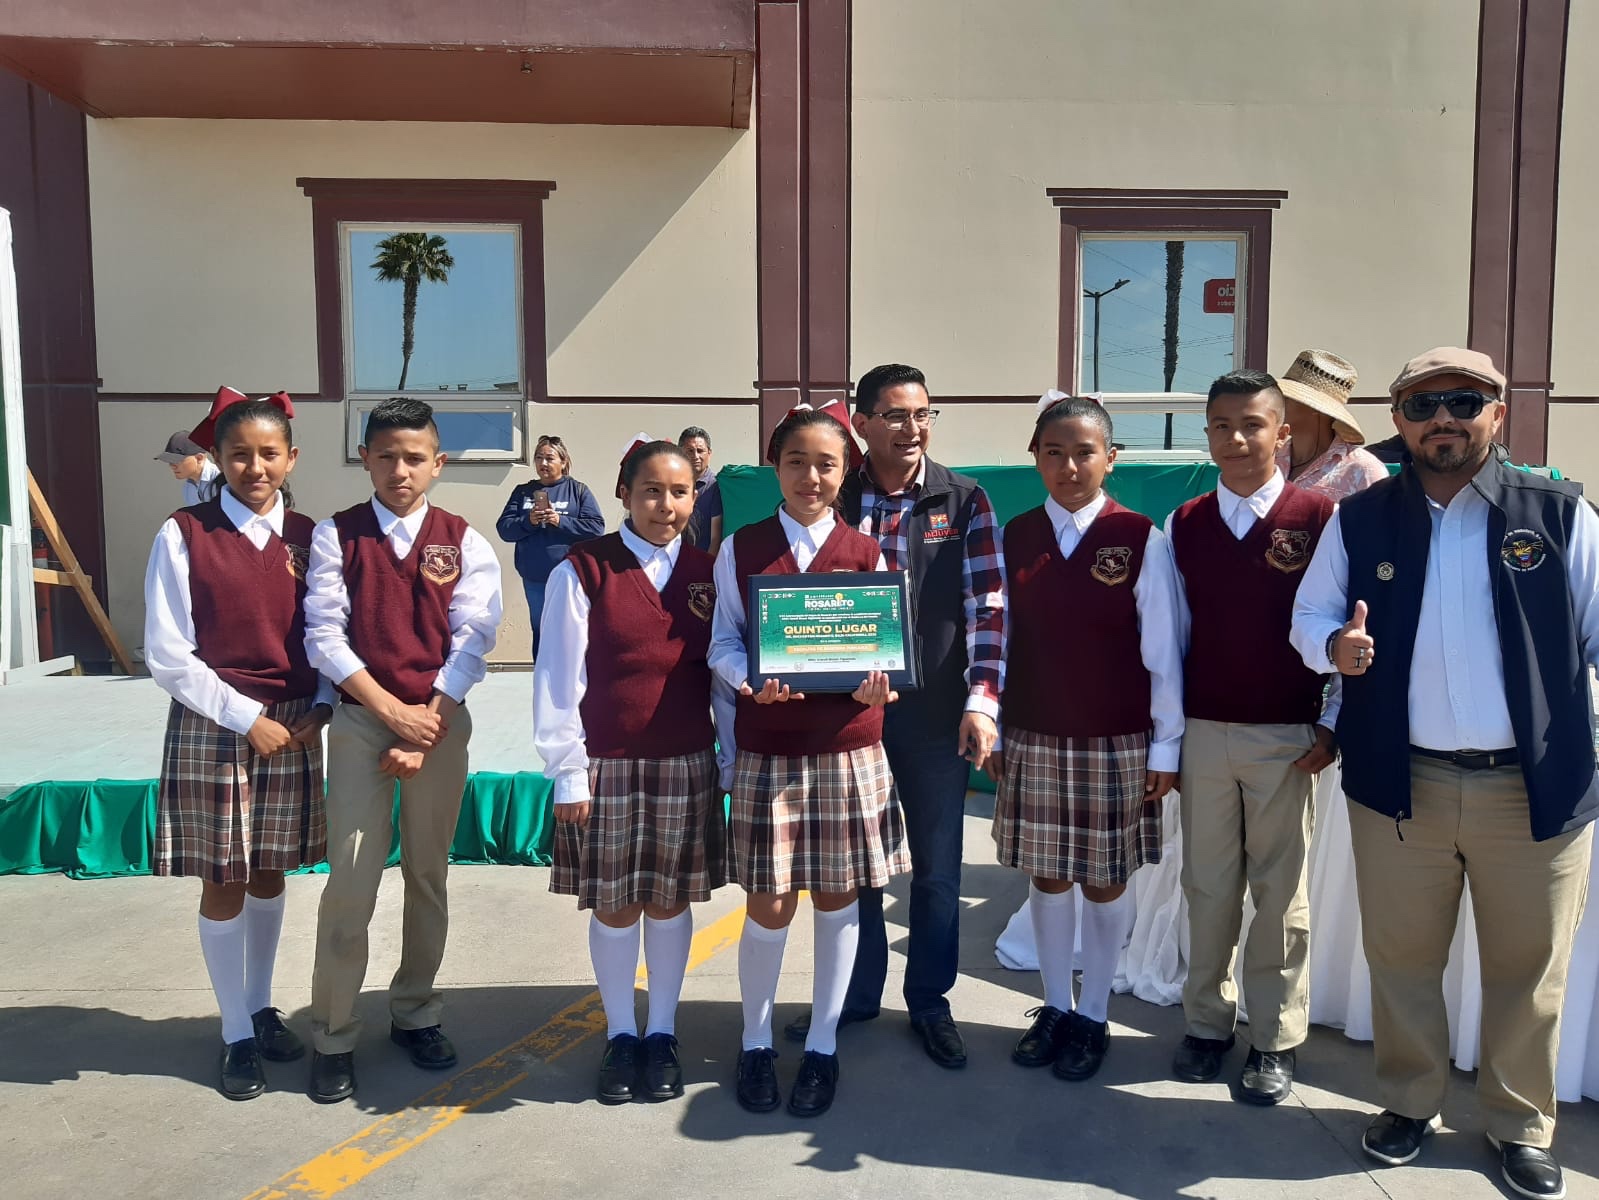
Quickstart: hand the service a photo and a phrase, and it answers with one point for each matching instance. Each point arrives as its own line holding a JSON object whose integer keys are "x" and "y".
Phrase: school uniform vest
{"x": 1387, "y": 532}
{"x": 1078, "y": 667}
{"x": 935, "y": 537}
{"x": 820, "y": 723}
{"x": 249, "y": 604}
{"x": 400, "y": 611}
{"x": 649, "y": 687}
{"x": 1240, "y": 666}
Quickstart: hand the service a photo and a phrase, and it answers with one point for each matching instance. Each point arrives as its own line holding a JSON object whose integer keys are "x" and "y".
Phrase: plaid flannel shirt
{"x": 884, "y": 517}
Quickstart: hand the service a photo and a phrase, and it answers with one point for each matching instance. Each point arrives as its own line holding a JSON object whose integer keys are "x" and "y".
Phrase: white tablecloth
{"x": 1155, "y": 962}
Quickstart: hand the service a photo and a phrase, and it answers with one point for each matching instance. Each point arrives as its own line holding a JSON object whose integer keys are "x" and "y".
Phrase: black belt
{"x": 1472, "y": 760}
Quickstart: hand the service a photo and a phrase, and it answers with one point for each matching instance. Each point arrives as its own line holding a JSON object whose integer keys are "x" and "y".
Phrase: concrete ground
{"x": 108, "y": 1040}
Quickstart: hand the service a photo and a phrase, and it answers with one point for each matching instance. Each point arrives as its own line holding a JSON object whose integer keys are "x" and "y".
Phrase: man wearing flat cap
{"x": 1460, "y": 601}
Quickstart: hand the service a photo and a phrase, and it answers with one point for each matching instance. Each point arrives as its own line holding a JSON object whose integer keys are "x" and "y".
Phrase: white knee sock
{"x": 760, "y": 962}
{"x": 666, "y": 945}
{"x": 1105, "y": 928}
{"x": 837, "y": 936}
{"x": 222, "y": 943}
{"x": 1055, "y": 932}
{"x": 263, "y": 923}
{"x": 614, "y": 953}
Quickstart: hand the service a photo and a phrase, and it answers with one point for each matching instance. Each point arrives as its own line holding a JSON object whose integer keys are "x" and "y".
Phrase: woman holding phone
{"x": 544, "y": 517}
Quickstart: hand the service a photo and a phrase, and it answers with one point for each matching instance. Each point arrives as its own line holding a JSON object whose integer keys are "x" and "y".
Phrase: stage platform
{"x": 81, "y": 755}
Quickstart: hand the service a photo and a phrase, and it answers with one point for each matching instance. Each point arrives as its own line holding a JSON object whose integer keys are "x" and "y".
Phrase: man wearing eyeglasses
{"x": 1460, "y": 601}
{"x": 939, "y": 526}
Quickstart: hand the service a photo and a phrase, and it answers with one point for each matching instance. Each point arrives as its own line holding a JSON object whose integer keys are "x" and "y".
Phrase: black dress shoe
{"x": 274, "y": 1039}
{"x": 1396, "y": 1140}
{"x": 942, "y": 1038}
{"x": 1040, "y": 1045}
{"x": 662, "y": 1073}
{"x": 619, "y": 1069}
{"x": 1198, "y": 1059}
{"x": 332, "y": 1077}
{"x": 1086, "y": 1044}
{"x": 799, "y": 1028}
{"x": 815, "y": 1085}
{"x": 1268, "y": 1076}
{"x": 243, "y": 1077}
{"x": 757, "y": 1088}
{"x": 1529, "y": 1170}
{"x": 428, "y": 1048}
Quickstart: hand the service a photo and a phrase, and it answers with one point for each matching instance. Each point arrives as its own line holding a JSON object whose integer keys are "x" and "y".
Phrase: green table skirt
{"x": 106, "y": 828}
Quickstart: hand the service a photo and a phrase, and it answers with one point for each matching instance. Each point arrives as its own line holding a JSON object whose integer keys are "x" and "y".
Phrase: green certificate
{"x": 825, "y": 633}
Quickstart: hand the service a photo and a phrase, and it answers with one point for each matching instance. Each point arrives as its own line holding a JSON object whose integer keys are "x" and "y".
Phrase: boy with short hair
{"x": 403, "y": 606}
{"x": 1255, "y": 733}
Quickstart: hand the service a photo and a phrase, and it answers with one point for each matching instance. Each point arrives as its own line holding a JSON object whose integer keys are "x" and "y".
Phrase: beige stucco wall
{"x": 1575, "y": 365}
{"x": 1574, "y": 443}
{"x": 323, "y": 483}
{"x": 202, "y": 247}
{"x": 966, "y": 110}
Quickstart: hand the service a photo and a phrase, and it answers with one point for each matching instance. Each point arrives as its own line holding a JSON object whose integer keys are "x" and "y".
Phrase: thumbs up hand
{"x": 1353, "y": 650}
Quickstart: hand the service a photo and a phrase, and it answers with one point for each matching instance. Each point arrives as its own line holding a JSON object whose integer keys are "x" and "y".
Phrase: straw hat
{"x": 1324, "y": 382}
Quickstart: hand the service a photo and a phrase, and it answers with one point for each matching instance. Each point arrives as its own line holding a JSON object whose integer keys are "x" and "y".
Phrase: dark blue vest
{"x": 938, "y": 595}
{"x": 1387, "y": 532}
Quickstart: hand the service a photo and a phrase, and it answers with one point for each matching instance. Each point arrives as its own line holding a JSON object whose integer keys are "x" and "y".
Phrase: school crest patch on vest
{"x": 1289, "y": 549}
{"x": 1112, "y": 564}
{"x": 702, "y": 600}
{"x": 1523, "y": 550}
{"x": 441, "y": 564}
{"x": 297, "y": 559}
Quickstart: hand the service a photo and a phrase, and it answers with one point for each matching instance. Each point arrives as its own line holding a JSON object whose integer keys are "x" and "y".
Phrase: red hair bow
{"x": 204, "y": 434}
{"x": 639, "y": 440}
{"x": 834, "y": 409}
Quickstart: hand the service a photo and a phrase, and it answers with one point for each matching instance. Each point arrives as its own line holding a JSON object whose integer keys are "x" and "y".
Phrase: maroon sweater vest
{"x": 249, "y": 604}
{"x": 1078, "y": 667}
{"x": 400, "y": 611}
{"x": 1240, "y": 667}
{"x": 649, "y": 686}
{"x": 820, "y": 723}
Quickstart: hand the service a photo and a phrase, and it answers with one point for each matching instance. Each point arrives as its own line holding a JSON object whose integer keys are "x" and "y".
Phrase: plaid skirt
{"x": 656, "y": 834}
{"x": 1074, "y": 808}
{"x": 822, "y": 822}
{"x": 225, "y": 811}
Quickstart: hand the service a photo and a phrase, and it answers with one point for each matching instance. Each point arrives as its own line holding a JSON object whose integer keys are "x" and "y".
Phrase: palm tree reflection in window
{"x": 408, "y": 259}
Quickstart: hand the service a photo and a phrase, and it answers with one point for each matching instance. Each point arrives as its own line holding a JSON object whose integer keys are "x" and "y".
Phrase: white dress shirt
{"x": 561, "y": 678}
{"x": 1155, "y": 595}
{"x": 729, "y": 658}
{"x": 171, "y": 650}
{"x": 1239, "y": 514}
{"x": 1457, "y": 673}
{"x": 474, "y": 606}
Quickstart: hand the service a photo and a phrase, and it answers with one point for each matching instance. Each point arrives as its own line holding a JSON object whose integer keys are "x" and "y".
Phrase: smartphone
{"x": 541, "y": 499}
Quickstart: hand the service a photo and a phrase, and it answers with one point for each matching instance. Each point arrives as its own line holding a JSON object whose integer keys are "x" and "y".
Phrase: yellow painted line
{"x": 385, "y": 1140}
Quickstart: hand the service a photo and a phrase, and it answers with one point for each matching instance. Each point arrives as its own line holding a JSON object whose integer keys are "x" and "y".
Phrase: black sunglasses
{"x": 1463, "y": 404}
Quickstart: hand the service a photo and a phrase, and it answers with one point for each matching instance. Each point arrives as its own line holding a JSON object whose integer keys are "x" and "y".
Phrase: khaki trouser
{"x": 1247, "y": 815}
{"x": 360, "y": 810}
{"x": 1527, "y": 896}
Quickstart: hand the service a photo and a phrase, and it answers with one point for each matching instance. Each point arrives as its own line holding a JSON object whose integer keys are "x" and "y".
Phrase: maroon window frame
{"x": 1091, "y": 210}
{"x": 415, "y": 202}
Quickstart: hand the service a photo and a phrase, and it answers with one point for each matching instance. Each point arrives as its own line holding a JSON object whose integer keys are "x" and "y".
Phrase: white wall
{"x": 967, "y": 110}
{"x": 1575, "y": 365}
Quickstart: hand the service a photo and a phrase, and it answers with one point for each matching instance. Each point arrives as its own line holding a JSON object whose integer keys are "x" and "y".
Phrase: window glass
{"x": 433, "y": 310}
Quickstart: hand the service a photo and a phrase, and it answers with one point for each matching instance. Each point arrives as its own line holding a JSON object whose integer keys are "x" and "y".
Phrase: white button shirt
{"x": 474, "y": 613}
{"x": 1156, "y": 597}
{"x": 1239, "y": 514}
{"x": 1457, "y": 673}
{"x": 560, "y": 676}
{"x": 171, "y": 650}
{"x": 729, "y": 658}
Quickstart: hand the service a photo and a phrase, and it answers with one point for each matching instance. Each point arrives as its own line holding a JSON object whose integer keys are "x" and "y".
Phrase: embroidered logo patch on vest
{"x": 297, "y": 559}
{"x": 1289, "y": 549}
{"x": 1523, "y": 550}
{"x": 1385, "y": 571}
{"x": 939, "y": 528}
{"x": 441, "y": 564}
{"x": 1112, "y": 564}
{"x": 702, "y": 600}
